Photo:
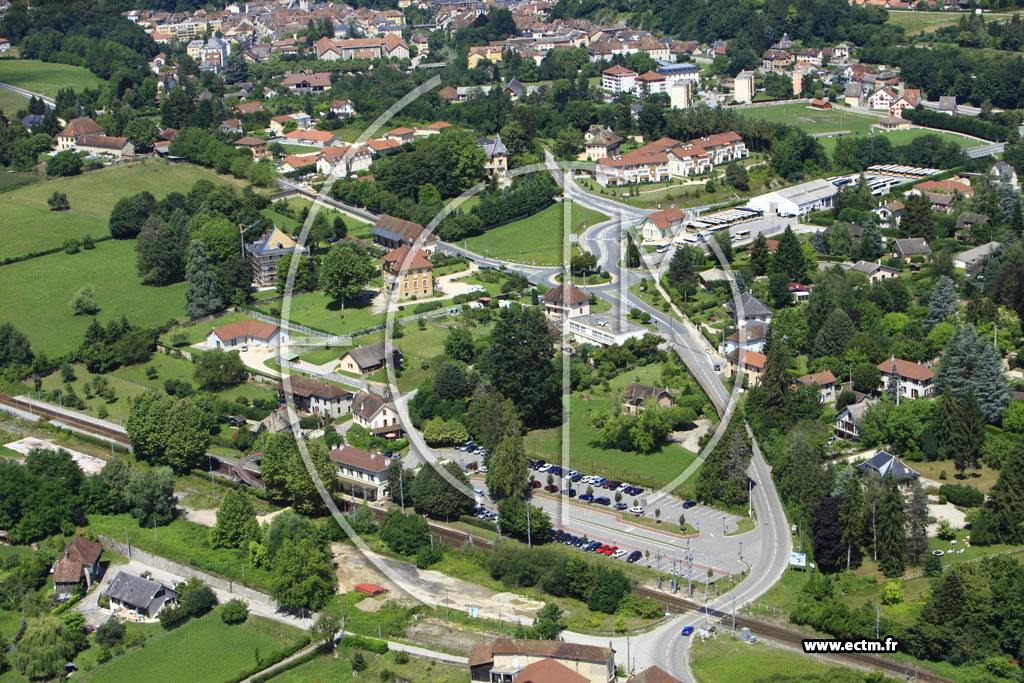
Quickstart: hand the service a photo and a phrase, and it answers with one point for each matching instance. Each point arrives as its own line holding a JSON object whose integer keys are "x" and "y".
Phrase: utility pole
{"x": 659, "y": 564}
{"x": 401, "y": 486}
{"x": 734, "y": 615}
{"x": 878, "y": 620}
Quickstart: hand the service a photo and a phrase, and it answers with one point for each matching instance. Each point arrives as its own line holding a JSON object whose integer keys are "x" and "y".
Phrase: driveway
{"x": 95, "y": 615}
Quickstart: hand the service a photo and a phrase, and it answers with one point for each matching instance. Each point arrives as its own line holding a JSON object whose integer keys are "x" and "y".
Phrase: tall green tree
{"x": 151, "y": 496}
{"x": 303, "y": 575}
{"x": 202, "y": 295}
{"x": 130, "y": 213}
{"x": 916, "y": 515}
{"x": 991, "y": 387}
{"x": 236, "y": 522}
{"x": 851, "y": 519}
{"x": 459, "y": 346}
{"x": 760, "y": 257}
{"x": 941, "y": 303}
{"x": 346, "y": 269}
{"x": 188, "y": 436}
{"x": 892, "y": 535}
{"x": 160, "y": 249}
{"x": 492, "y": 418}
{"x": 518, "y": 364}
{"x": 834, "y": 335}
{"x": 44, "y": 648}
{"x": 507, "y": 469}
{"x": 789, "y": 257}
{"x": 918, "y": 218}
{"x": 1001, "y": 517}
{"x": 433, "y": 495}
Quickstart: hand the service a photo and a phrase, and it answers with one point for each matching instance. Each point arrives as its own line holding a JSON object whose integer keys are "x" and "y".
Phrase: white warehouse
{"x": 797, "y": 200}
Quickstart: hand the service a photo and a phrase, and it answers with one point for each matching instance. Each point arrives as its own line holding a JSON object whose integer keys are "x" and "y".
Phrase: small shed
{"x": 370, "y": 589}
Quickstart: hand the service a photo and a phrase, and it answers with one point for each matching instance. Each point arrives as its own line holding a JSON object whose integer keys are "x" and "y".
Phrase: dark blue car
{"x": 687, "y": 630}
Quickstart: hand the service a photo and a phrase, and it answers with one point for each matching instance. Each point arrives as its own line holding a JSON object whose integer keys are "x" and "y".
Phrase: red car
{"x": 610, "y": 549}
{"x": 535, "y": 484}
{"x": 551, "y": 488}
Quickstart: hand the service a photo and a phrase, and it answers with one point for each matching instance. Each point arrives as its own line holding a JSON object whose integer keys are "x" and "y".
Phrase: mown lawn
{"x": 204, "y": 649}
{"x": 536, "y": 239}
{"x": 27, "y": 224}
{"x": 420, "y": 347}
{"x": 917, "y": 21}
{"x": 650, "y": 471}
{"x": 809, "y": 120}
{"x": 11, "y": 102}
{"x": 904, "y": 137}
{"x": 39, "y": 292}
{"x": 321, "y": 312}
{"x": 46, "y": 77}
{"x": 725, "y": 660}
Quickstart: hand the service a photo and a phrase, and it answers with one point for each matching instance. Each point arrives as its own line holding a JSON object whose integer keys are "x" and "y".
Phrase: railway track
{"x": 232, "y": 470}
{"x": 674, "y": 603}
{"x": 794, "y": 638}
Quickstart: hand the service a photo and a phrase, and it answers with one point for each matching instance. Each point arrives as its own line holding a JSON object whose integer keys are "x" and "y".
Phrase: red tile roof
{"x": 548, "y": 671}
{"x": 360, "y": 459}
{"x": 565, "y": 294}
{"x": 905, "y": 368}
{"x": 403, "y": 258}
{"x": 246, "y": 328}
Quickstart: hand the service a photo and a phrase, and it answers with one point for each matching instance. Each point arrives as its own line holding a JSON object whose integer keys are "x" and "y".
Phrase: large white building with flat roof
{"x": 797, "y": 200}
{"x": 604, "y": 330}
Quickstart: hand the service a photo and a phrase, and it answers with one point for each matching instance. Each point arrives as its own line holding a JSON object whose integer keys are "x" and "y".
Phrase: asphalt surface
{"x": 766, "y": 549}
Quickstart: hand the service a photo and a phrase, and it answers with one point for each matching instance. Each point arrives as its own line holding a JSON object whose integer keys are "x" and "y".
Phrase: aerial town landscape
{"x": 512, "y": 341}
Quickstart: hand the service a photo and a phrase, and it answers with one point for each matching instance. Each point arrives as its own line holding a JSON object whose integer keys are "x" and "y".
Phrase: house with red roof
{"x": 245, "y": 332}
{"x": 79, "y": 562}
{"x": 363, "y": 474}
{"x": 408, "y": 273}
{"x": 914, "y": 380}
{"x": 508, "y": 659}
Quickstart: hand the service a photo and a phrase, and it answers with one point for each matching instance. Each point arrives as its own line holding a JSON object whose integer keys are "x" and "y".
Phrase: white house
{"x": 373, "y": 412}
{"x": 246, "y": 332}
{"x": 363, "y": 474}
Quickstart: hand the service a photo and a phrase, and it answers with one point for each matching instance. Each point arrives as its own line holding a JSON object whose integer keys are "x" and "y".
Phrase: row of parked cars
{"x": 591, "y": 546}
{"x": 591, "y": 480}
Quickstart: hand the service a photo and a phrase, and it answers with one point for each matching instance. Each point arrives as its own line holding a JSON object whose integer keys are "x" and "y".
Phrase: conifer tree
{"x": 201, "y": 295}
{"x": 892, "y": 535}
{"x": 990, "y": 385}
{"x": 917, "y": 523}
{"x": 851, "y": 519}
{"x": 941, "y": 303}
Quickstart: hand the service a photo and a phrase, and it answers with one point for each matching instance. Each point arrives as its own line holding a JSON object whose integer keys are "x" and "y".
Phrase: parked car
{"x": 576, "y": 477}
{"x": 534, "y": 483}
{"x": 687, "y": 630}
{"x": 610, "y": 549}
{"x": 634, "y": 556}
{"x": 482, "y": 469}
{"x": 637, "y": 510}
{"x": 687, "y": 504}
{"x": 586, "y": 497}
{"x": 570, "y": 492}
{"x": 619, "y": 553}
{"x": 551, "y": 488}
{"x": 578, "y": 542}
{"x": 603, "y": 500}
{"x": 620, "y": 506}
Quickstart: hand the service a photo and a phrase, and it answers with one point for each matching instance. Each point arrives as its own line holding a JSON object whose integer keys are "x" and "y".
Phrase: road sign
{"x": 798, "y": 559}
{"x": 474, "y": 612}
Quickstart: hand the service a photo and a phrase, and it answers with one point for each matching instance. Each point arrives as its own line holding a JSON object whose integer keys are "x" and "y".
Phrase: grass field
{"x": 321, "y": 312}
{"x": 130, "y": 381}
{"x": 46, "y": 77}
{"x": 11, "y": 102}
{"x": 904, "y": 137}
{"x": 204, "y": 649}
{"x": 537, "y": 239}
{"x": 186, "y": 542}
{"x": 356, "y": 228}
{"x": 725, "y": 660}
{"x": 918, "y": 22}
{"x": 327, "y": 669}
{"x": 653, "y": 470}
{"x": 39, "y": 291}
{"x": 812, "y": 120}
{"x": 28, "y": 225}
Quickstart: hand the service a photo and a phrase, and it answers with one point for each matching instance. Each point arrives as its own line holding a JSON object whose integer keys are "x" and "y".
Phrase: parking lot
{"x": 597, "y": 520}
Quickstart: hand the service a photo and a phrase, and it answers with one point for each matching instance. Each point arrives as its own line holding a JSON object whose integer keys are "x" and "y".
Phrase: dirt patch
{"x": 438, "y": 633}
{"x": 370, "y": 604}
{"x": 409, "y": 585}
{"x": 87, "y": 463}
{"x": 690, "y": 439}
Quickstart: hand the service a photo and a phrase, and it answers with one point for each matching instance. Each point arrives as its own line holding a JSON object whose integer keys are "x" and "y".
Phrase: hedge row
{"x": 271, "y": 660}
{"x": 964, "y": 496}
{"x": 363, "y": 643}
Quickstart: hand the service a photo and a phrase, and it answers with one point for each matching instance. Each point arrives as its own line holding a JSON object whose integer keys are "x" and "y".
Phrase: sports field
{"x": 27, "y": 224}
{"x": 46, "y": 77}
{"x": 536, "y": 239}
{"x": 903, "y": 137}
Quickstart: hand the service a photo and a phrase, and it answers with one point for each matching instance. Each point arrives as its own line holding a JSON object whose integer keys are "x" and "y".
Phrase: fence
{"x": 186, "y": 571}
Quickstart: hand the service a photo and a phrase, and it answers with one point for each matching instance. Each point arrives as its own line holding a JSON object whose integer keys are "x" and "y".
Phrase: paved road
{"x": 985, "y": 150}
{"x": 767, "y": 548}
{"x": 48, "y": 101}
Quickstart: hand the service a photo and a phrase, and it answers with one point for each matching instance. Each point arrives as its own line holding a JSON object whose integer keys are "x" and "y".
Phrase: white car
{"x": 544, "y": 468}
{"x": 636, "y": 510}
{"x": 623, "y": 486}
{"x": 482, "y": 469}
{"x": 619, "y": 553}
